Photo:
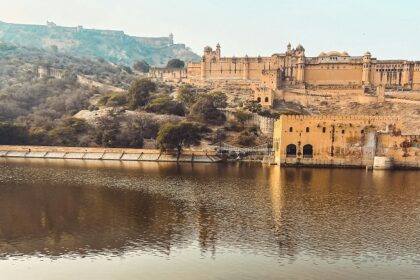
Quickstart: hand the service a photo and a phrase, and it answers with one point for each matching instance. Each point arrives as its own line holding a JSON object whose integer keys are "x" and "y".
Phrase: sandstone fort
{"x": 329, "y": 70}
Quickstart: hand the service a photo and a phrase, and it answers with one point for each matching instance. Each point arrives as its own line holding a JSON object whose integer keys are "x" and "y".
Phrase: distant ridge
{"x": 113, "y": 46}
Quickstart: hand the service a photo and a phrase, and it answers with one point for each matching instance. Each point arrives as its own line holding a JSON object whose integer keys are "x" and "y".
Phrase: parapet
{"x": 339, "y": 118}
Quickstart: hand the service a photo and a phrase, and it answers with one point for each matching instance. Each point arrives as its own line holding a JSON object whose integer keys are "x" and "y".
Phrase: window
{"x": 343, "y": 131}
{"x": 308, "y": 151}
{"x": 307, "y": 129}
{"x": 362, "y": 131}
{"x": 266, "y": 99}
{"x": 290, "y": 129}
{"x": 324, "y": 130}
{"x": 291, "y": 150}
{"x": 259, "y": 99}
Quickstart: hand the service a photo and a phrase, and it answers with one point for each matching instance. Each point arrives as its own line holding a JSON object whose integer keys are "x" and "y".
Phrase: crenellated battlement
{"x": 339, "y": 118}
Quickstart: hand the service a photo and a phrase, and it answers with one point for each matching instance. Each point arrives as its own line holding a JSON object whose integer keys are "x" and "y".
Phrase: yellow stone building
{"x": 293, "y": 68}
{"x": 328, "y": 70}
{"x": 343, "y": 141}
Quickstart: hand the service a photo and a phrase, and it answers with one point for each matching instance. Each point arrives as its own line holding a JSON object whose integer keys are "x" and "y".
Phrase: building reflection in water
{"x": 92, "y": 208}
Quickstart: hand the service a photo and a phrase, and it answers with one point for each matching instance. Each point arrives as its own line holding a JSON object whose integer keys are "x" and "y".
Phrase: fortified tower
{"x": 367, "y": 62}
{"x": 405, "y": 77}
{"x": 300, "y": 71}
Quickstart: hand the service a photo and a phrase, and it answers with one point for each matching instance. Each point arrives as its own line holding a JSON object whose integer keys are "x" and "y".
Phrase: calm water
{"x": 96, "y": 220}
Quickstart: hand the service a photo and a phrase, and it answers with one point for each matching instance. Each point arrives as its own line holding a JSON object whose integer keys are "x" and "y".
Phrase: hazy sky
{"x": 387, "y": 28}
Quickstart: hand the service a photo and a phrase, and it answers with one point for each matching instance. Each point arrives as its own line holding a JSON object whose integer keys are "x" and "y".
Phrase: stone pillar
{"x": 405, "y": 78}
{"x": 245, "y": 70}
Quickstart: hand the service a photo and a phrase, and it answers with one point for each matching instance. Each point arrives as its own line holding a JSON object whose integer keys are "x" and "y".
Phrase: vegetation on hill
{"x": 113, "y": 46}
{"x": 48, "y": 98}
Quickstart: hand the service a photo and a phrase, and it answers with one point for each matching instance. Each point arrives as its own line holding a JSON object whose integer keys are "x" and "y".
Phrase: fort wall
{"x": 342, "y": 141}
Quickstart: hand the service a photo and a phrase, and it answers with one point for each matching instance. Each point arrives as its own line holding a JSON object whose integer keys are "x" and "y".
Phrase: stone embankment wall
{"x": 119, "y": 154}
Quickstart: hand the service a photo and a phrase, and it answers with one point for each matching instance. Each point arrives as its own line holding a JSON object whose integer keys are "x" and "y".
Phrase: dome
{"x": 208, "y": 49}
{"x": 300, "y": 48}
{"x": 367, "y": 54}
{"x": 333, "y": 53}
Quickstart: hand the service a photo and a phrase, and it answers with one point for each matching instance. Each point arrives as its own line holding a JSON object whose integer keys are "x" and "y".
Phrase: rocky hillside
{"x": 113, "y": 46}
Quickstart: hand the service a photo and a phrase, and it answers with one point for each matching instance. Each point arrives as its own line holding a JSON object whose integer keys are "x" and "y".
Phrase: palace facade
{"x": 329, "y": 70}
{"x": 294, "y": 68}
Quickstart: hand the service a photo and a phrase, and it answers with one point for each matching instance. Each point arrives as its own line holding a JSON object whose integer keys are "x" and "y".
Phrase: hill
{"x": 113, "y": 46}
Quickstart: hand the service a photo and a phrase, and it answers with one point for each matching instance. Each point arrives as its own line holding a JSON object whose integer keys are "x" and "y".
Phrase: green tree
{"x": 141, "y": 66}
{"x": 243, "y": 116}
{"x": 11, "y": 134}
{"x": 113, "y": 99}
{"x": 139, "y": 92}
{"x": 253, "y": 106}
{"x": 219, "y": 99}
{"x": 204, "y": 110}
{"x": 186, "y": 96}
{"x": 247, "y": 139}
{"x": 175, "y": 63}
{"x": 178, "y": 136}
{"x": 163, "y": 104}
{"x": 67, "y": 132}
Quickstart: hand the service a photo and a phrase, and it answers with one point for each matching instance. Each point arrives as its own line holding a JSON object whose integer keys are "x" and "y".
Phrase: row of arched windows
{"x": 291, "y": 151}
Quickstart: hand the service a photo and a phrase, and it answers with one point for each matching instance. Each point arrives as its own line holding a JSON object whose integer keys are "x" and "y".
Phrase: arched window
{"x": 291, "y": 150}
{"x": 307, "y": 129}
{"x": 266, "y": 99}
{"x": 290, "y": 129}
{"x": 259, "y": 99}
{"x": 308, "y": 151}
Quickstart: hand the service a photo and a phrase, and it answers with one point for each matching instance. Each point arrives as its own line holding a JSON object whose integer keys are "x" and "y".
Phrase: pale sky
{"x": 390, "y": 29}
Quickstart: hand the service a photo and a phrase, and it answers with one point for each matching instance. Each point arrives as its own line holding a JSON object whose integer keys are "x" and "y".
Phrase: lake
{"x": 131, "y": 220}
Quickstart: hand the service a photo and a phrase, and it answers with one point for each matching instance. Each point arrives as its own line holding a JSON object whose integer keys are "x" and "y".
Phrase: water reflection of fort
{"x": 158, "y": 207}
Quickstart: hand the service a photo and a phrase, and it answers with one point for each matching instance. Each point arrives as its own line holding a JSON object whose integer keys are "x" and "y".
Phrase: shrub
{"x": 163, "y": 104}
{"x": 141, "y": 66}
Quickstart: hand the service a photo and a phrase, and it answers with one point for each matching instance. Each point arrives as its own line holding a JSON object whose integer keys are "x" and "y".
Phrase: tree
{"x": 243, "y": 116}
{"x": 177, "y": 136}
{"x": 204, "y": 110}
{"x": 175, "y": 63}
{"x": 253, "y": 106}
{"x": 247, "y": 139}
{"x": 163, "y": 104}
{"x": 219, "y": 99}
{"x": 67, "y": 132}
{"x": 186, "y": 96}
{"x": 11, "y": 134}
{"x": 139, "y": 92}
{"x": 113, "y": 99}
{"x": 141, "y": 66}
